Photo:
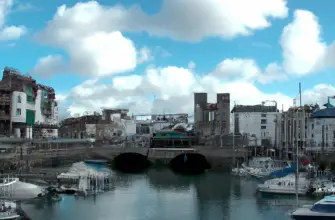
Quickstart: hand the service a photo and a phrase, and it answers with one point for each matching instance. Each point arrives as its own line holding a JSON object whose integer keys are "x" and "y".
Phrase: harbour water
{"x": 161, "y": 194}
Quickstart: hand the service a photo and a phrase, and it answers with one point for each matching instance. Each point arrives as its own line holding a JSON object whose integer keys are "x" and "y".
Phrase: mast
{"x": 297, "y": 153}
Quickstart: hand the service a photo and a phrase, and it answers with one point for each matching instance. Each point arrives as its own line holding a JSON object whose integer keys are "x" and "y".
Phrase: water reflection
{"x": 161, "y": 194}
{"x": 165, "y": 179}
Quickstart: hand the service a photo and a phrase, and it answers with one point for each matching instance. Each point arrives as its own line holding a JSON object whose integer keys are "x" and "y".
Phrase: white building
{"x": 321, "y": 129}
{"x": 35, "y": 115}
{"x": 259, "y": 122}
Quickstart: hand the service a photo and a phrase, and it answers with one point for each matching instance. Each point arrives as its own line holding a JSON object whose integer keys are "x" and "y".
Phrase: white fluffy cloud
{"x": 50, "y": 64}
{"x": 9, "y": 32}
{"x": 223, "y": 19}
{"x": 92, "y": 54}
{"x": 168, "y": 89}
{"x": 304, "y": 50}
{"x": 90, "y": 32}
{"x": 248, "y": 70}
{"x": 94, "y": 38}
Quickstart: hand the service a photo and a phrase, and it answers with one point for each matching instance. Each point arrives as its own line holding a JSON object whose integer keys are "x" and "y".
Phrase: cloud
{"x": 191, "y": 65}
{"x": 49, "y": 65}
{"x": 171, "y": 86}
{"x": 303, "y": 48}
{"x": 248, "y": 70}
{"x": 20, "y": 7}
{"x": 9, "y": 32}
{"x": 95, "y": 54}
{"x": 144, "y": 55}
{"x": 218, "y": 19}
{"x": 91, "y": 33}
{"x": 318, "y": 94}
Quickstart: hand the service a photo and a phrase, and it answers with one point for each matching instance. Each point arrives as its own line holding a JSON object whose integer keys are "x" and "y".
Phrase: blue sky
{"x": 179, "y": 47}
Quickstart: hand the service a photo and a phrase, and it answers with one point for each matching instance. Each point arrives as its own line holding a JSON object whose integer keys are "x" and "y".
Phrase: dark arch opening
{"x": 131, "y": 162}
{"x": 189, "y": 163}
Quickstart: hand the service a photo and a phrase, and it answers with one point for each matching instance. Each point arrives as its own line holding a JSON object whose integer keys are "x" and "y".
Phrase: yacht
{"x": 14, "y": 189}
{"x": 267, "y": 168}
{"x": 321, "y": 210}
{"x": 286, "y": 185}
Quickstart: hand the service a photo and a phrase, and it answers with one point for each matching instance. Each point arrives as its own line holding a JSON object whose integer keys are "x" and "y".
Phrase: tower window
{"x": 18, "y": 111}
{"x": 19, "y": 99}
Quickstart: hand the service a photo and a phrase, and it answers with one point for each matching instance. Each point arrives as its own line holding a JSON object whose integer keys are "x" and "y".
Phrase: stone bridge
{"x": 214, "y": 156}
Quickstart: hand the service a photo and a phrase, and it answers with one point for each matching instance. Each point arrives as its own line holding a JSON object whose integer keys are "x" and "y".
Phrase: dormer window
{"x": 19, "y": 99}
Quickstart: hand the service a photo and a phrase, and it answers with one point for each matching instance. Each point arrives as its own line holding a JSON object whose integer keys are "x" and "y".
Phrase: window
{"x": 18, "y": 111}
{"x": 263, "y": 127}
{"x": 334, "y": 134}
{"x": 19, "y": 99}
{"x": 263, "y": 115}
{"x": 263, "y": 121}
{"x": 312, "y": 126}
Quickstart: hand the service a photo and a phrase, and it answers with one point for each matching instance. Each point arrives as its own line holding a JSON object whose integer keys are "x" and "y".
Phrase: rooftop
{"x": 324, "y": 113}
{"x": 254, "y": 108}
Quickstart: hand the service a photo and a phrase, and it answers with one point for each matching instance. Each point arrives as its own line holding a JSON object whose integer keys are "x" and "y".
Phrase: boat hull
{"x": 21, "y": 191}
{"x": 306, "y": 217}
{"x": 280, "y": 191}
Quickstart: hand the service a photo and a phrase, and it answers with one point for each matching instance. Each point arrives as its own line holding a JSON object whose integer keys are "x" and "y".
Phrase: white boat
{"x": 257, "y": 162}
{"x": 321, "y": 210}
{"x": 14, "y": 189}
{"x": 239, "y": 172}
{"x": 8, "y": 211}
{"x": 286, "y": 185}
{"x": 263, "y": 166}
{"x": 322, "y": 188}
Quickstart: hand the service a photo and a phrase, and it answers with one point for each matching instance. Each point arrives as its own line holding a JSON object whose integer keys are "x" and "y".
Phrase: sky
{"x": 151, "y": 56}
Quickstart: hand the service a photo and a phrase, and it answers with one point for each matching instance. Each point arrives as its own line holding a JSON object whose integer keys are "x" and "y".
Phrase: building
{"x": 27, "y": 109}
{"x": 156, "y": 122}
{"x": 294, "y": 129}
{"x": 258, "y": 122}
{"x": 321, "y": 130}
{"x": 212, "y": 118}
{"x": 111, "y": 124}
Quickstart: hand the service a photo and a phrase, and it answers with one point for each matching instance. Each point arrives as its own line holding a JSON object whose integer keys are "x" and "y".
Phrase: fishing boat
{"x": 321, "y": 210}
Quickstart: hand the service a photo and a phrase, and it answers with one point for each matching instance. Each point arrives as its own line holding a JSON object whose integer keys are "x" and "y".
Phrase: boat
{"x": 14, "y": 189}
{"x": 8, "y": 211}
{"x": 321, "y": 210}
{"x": 239, "y": 172}
{"x": 56, "y": 198}
{"x": 286, "y": 185}
{"x": 68, "y": 189}
{"x": 261, "y": 167}
{"x": 323, "y": 188}
{"x": 257, "y": 162}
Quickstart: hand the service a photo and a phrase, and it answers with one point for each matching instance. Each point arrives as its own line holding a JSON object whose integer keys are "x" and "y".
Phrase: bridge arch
{"x": 131, "y": 162}
{"x": 189, "y": 163}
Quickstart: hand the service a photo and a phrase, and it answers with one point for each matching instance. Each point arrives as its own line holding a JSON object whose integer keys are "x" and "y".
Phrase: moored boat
{"x": 321, "y": 210}
{"x": 286, "y": 185}
{"x": 14, "y": 189}
{"x": 8, "y": 211}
